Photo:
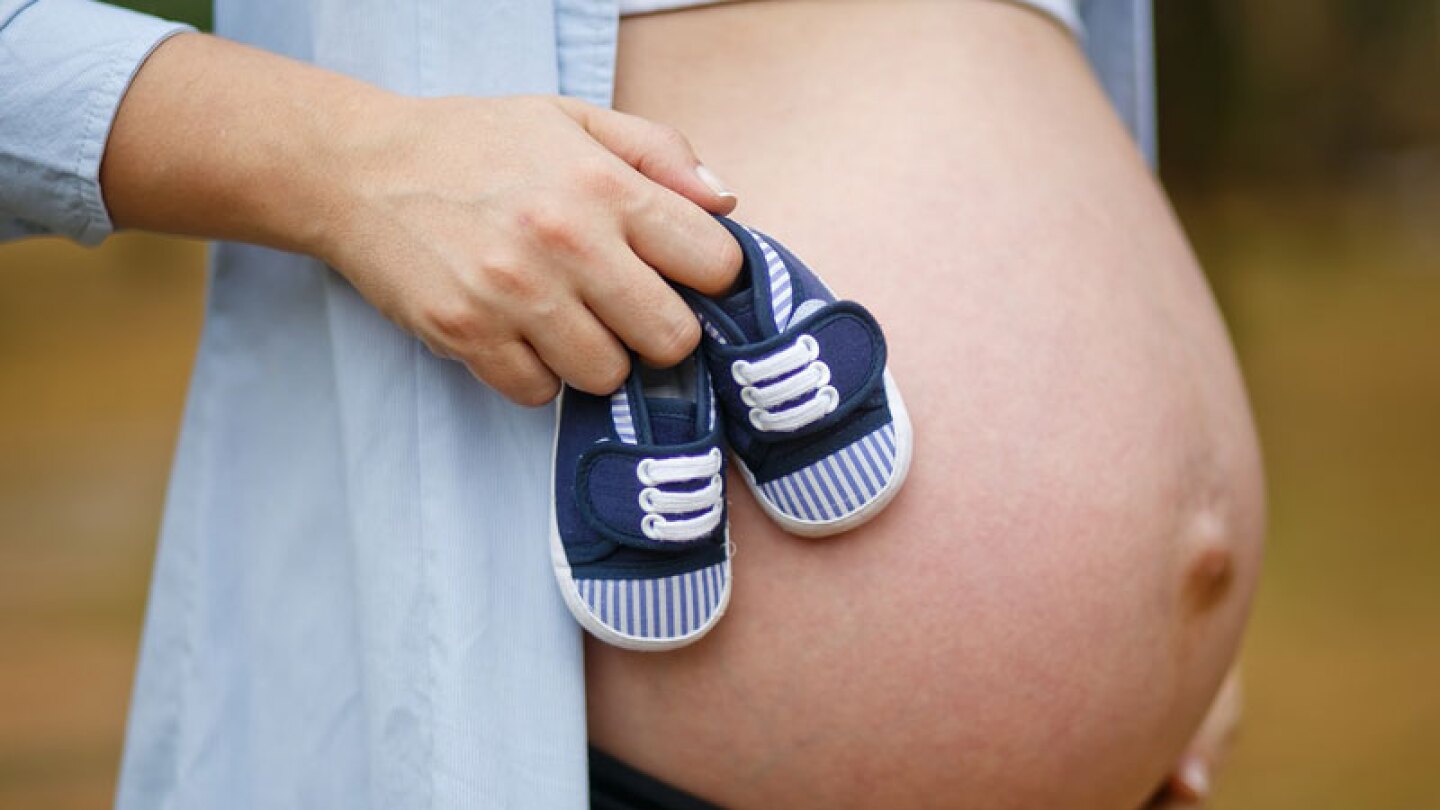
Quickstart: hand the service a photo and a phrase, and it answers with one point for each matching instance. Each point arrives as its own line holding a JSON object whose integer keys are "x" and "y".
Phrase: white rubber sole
{"x": 904, "y": 450}
{"x": 569, "y": 589}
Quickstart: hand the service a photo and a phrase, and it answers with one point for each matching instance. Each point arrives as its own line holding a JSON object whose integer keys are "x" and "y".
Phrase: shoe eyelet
{"x": 642, "y": 472}
{"x": 740, "y": 372}
{"x": 649, "y": 524}
{"x": 747, "y": 396}
{"x": 811, "y": 345}
{"x": 647, "y": 499}
{"x": 830, "y": 393}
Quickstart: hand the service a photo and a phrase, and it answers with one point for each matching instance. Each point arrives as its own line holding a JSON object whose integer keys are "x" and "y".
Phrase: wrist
{"x": 351, "y": 131}
{"x": 222, "y": 141}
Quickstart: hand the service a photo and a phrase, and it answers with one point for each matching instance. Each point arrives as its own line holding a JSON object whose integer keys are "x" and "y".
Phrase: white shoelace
{"x": 657, "y": 503}
{"x": 807, "y": 374}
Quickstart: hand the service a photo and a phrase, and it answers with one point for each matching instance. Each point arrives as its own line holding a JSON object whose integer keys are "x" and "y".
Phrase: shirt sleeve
{"x": 64, "y": 66}
{"x": 1120, "y": 43}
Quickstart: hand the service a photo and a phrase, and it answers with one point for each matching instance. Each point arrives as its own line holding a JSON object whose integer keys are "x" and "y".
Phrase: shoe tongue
{"x": 740, "y": 306}
{"x": 672, "y": 421}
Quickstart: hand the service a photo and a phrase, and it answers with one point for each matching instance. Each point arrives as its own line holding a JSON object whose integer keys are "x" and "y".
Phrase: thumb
{"x": 658, "y": 151}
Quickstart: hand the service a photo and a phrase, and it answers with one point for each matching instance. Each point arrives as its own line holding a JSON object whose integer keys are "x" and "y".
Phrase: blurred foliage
{"x": 199, "y": 13}
{"x": 1316, "y": 92}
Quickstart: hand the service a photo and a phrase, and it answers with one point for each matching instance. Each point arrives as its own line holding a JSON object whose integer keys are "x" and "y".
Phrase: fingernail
{"x": 708, "y": 178}
{"x": 1196, "y": 776}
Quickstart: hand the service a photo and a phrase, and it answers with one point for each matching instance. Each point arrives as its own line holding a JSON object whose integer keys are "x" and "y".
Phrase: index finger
{"x": 682, "y": 241}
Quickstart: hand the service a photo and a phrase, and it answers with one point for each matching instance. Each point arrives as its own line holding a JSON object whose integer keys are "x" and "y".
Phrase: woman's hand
{"x": 1189, "y": 784}
{"x": 522, "y": 236}
{"x": 528, "y": 237}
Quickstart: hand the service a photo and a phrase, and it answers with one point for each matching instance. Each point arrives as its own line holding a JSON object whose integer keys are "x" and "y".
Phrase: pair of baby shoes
{"x": 794, "y": 381}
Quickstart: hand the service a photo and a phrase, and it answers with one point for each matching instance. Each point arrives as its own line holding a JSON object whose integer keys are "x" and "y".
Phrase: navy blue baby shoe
{"x": 639, "y": 536}
{"x": 808, "y": 404}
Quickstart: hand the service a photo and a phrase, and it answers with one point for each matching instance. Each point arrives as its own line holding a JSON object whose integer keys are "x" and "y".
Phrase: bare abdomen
{"x": 1041, "y": 617}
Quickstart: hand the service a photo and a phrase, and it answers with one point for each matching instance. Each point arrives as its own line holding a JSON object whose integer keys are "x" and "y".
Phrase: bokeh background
{"x": 1301, "y": 144}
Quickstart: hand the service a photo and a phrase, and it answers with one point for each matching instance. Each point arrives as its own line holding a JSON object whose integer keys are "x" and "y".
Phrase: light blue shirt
{"x": 352, "y": 605}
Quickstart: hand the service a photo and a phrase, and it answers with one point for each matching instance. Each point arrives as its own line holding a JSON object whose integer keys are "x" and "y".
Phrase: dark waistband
{"x": 615, "y": 785}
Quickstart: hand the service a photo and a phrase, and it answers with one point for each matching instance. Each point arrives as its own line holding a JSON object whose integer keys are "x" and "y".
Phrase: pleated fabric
{"x": 352, "y": 603}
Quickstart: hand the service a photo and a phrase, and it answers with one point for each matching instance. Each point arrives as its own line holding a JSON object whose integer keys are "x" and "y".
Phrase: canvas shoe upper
{"x": 639, "y": 531}
{"x": 808, "y": 404}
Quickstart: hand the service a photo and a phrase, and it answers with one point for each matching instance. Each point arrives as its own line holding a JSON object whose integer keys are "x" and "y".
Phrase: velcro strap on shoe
{"x": 848, "y": 351}
{"x": 658, "y": 498}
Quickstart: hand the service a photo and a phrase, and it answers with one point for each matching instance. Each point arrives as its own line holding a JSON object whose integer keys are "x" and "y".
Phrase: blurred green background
{"x": 1301, "y": 144}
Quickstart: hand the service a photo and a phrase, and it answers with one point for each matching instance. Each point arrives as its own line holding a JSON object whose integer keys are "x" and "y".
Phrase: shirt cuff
{"x": 64, "y": 67}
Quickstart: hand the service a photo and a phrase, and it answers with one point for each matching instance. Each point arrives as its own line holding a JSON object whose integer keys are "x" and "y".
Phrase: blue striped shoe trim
{"x": 620, "y": 416}
{"x": 780, "y": 291}
{"x": 711, "y": 330}
{"x": 658, "y": 609}
{"x": 839, "y": 484}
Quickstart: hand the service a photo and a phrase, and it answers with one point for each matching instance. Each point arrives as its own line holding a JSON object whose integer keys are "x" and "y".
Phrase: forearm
{"x": 524, "y": 236}
{"x": 223, "y": 141}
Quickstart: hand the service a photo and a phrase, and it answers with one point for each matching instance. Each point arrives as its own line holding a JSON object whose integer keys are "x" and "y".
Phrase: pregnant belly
{"x": 1041, "y": 617}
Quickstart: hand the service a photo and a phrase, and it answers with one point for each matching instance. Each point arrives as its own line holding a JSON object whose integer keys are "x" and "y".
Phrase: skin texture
{"x": 526, "y": 237}
{"x": 1043, "y": 616}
